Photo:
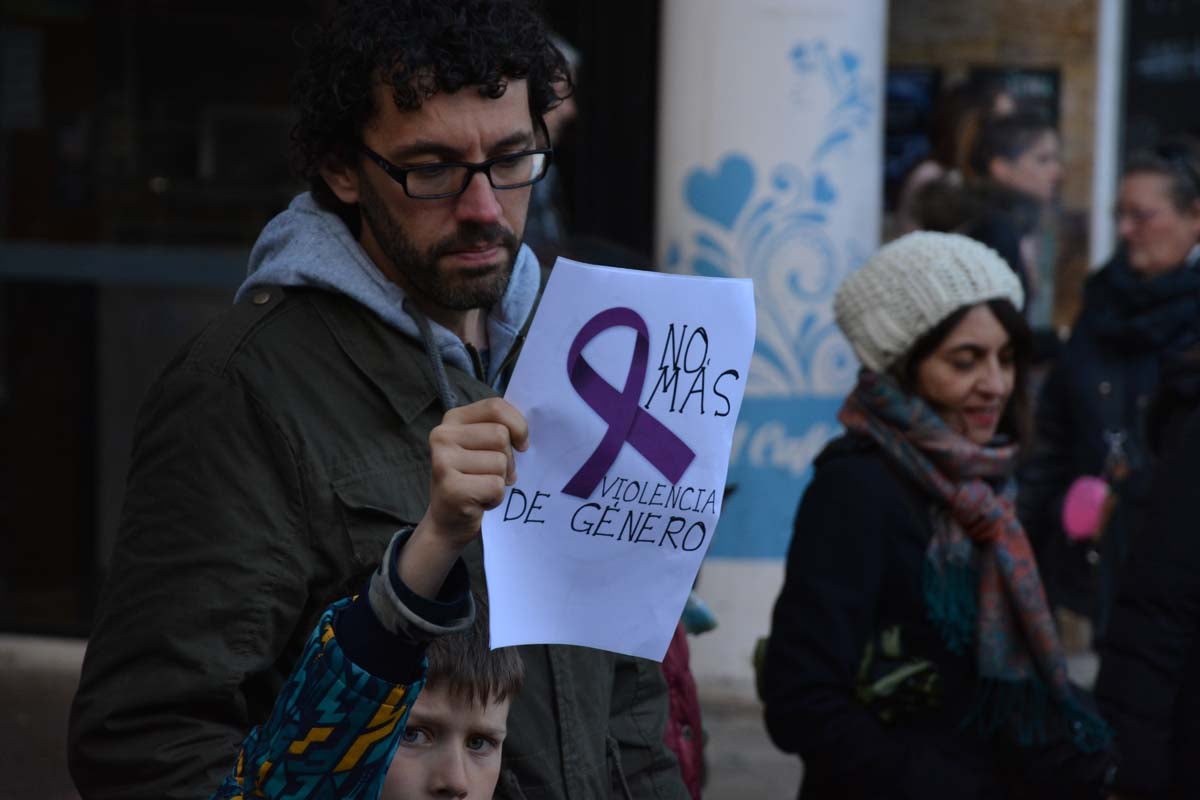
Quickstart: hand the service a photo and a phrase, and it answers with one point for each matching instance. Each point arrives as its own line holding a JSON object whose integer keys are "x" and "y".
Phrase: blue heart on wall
{"x": 823, "y": 191}
{"x": 723, "y": 195}
{"x": 674, "y": 254}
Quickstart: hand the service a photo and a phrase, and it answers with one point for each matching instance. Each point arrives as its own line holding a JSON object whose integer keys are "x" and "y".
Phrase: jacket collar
{"x": 307, "y": 246}
{"x": 394, "y": 362}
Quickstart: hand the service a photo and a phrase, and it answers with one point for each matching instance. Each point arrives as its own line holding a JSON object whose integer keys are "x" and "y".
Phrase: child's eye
{"x": 415, "y": 737}
{"x": 480, "y": 744}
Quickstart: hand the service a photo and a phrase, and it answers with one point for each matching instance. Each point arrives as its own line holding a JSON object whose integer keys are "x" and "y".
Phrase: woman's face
{"x": 1037, "y": 171}
{"x": 969, "y": 377}
{"x": 1157, "y": 235}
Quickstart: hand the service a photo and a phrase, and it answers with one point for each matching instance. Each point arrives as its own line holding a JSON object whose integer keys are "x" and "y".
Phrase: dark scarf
{"x": 980, "y": 581}
{"x": 1017, "y": 209}
{"x": 1135, "y": 314}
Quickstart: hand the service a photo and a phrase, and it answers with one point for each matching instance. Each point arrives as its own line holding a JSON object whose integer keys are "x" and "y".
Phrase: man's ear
{"x": 341, "y": 179}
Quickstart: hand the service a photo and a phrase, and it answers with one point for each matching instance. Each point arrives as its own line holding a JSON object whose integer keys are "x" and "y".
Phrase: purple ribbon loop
{"x": 627, "y": 420}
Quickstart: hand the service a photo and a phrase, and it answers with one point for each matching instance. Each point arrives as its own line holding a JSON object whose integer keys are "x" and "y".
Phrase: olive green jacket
{"x": 273, "y": 460}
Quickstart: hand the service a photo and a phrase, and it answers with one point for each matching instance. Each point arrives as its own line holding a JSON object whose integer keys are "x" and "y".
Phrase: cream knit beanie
{"x": 910, "y": 286}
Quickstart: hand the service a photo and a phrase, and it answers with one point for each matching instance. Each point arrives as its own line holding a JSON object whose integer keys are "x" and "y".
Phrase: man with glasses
{"x": 348, "y": 399}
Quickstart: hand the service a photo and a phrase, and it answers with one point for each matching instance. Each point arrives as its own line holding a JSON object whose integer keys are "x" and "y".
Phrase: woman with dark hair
{"x": 912, "y": 653}
{"x": 1144, "y": 305}
{"x": 1016, "y": 171}
{"x": 958, "y": 116}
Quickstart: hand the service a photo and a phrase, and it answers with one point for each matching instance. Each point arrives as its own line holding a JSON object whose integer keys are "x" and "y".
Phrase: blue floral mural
{"x": 773, "y": 223}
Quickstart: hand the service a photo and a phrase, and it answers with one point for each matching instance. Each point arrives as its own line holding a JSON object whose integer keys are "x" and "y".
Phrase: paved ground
{"x": 742, "y": 762}
{"x": 38, "y": 677}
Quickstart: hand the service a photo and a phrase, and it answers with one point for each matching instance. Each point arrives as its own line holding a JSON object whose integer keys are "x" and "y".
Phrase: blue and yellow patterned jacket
{"x": 333, "y": 731}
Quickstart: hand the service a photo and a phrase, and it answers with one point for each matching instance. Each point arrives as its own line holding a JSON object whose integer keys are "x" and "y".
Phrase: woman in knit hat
{"x": 911, "y": 652}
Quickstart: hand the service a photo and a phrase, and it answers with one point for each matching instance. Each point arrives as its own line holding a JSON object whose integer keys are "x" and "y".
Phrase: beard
{"x": 479, "y": 287}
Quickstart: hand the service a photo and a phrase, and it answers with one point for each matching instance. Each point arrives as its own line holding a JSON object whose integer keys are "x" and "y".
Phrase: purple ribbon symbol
{"x": 627, "y": 420}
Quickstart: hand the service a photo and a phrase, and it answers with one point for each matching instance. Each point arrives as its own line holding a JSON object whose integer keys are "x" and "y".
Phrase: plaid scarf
{"x": 980, "y": 579}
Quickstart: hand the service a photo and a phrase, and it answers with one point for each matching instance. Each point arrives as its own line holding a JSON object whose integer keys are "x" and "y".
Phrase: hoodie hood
{"x": 310, "y": 247}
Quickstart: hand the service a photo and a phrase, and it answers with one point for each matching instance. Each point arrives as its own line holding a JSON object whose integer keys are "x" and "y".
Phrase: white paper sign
{"x": 631, "y": 384}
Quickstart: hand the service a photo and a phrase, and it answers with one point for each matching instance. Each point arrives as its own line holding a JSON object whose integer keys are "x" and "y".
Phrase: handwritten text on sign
{"x": 631, "y": 383}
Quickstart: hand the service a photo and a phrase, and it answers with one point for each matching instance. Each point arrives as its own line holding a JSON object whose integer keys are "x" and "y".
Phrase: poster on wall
{"x": 770, "y": 167}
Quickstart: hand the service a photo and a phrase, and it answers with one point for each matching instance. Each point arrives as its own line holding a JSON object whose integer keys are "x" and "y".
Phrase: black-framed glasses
{"x": 451, "y": 178}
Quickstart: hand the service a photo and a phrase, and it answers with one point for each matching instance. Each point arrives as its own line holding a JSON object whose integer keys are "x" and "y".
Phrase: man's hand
{"x": 472, "y": 455}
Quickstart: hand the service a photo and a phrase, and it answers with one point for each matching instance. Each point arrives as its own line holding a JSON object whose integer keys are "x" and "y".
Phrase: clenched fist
{"x": 472, "y": 455}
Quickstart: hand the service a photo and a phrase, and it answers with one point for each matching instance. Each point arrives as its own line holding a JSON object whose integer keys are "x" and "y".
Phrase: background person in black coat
{"x": 1151, "y": 656}
{"x": 1144, "y": 305}
{"x": 911, "y": 652}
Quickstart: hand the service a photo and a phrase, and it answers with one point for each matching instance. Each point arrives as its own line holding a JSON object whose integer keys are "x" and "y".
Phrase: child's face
{"x": 451, "y": 749}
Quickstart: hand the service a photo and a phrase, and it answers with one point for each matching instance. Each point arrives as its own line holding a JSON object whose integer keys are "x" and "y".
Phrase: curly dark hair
{"x": 418, "y": 48}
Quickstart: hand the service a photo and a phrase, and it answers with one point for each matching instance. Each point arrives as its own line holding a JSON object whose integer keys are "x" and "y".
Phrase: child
{"x": 453, "y": 737}
{"x": 349, "y": 704}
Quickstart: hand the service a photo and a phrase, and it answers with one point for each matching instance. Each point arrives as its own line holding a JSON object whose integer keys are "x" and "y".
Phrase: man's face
{"x": 457, "y": 253}
{"x": 451, "y": 749}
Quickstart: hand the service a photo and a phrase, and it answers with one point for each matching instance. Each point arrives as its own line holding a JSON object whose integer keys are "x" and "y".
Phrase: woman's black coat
{"x": 853, "y": 583}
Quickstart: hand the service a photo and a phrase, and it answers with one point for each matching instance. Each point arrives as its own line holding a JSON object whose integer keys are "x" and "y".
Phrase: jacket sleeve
{"x": 1155, "y": 625}
{"x": 206, "y": 585}
{"x": 823, "y": 619}
{"x": 333, "y": 731}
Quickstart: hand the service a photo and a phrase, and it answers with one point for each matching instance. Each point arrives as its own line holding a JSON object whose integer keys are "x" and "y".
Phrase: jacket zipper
{"x": 513, "y": 352}
{"x": 476, "y": 363}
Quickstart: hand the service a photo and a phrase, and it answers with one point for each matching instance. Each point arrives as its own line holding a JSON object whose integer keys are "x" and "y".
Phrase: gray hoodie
{"x": 308, "y": 246}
